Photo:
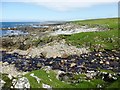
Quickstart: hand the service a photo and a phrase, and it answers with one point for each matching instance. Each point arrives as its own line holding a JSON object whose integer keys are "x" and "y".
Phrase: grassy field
{"x": 102, "y": 40}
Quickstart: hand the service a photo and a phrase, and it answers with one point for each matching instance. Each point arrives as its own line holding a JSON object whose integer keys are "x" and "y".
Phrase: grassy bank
{"x": 111, "y": 23}
{"x": 55, "y": 83}
{"x": 96, "y": 40}
{"x": 50, "y": 79}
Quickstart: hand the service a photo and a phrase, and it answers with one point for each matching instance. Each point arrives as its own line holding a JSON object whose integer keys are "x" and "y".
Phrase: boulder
{"x": 2, "y": 82}
{"x": 22, "y": 83}
{"x": 58, "y": 73}
{"x": 91, "y": 74}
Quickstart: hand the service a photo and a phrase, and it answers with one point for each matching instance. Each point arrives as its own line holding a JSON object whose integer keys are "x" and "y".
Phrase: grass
{"x": 44, "y": 40}
{"x": 92, "y": 84}
{"x": 80, "y": 76}
{"x": 103, "y": 40}
{"x": 107, "y": 71}
{"x": 96, "y": 40}
{"x": 114, "y": 85}
{"x": 111, "y": 23}
{"x": 55, "y": 83}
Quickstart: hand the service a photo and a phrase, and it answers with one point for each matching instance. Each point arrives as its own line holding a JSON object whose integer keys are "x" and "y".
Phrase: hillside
{"x": 107, "y": 39}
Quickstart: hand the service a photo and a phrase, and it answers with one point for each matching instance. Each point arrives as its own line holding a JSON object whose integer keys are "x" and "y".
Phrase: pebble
{"x": 101, "y": 62}
{"x": 10, "y": 76}
{"x": 46, "y": 86}
{"x": 72, "y": 64}
{"x": 107, "y": 62}
{"x": 117, "y": 58}
{"x": 93, "y": 61}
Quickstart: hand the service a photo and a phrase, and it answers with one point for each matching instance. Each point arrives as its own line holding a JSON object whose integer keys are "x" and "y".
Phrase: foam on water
{"x": 11, "y": 32}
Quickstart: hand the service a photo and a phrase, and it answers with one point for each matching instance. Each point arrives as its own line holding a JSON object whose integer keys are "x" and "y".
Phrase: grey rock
{"x": 2, "y": 82}
{"x": 22, "y": 83}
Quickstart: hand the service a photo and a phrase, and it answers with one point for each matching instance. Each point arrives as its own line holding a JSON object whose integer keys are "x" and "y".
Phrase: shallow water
{"x": 11, "y": 32}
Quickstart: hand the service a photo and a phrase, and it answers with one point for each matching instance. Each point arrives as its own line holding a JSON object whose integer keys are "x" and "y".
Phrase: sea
{"x": 8, "y": 25}
{"x": 15, "y": 25}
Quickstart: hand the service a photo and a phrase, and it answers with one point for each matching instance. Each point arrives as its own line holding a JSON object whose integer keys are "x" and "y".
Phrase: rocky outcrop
{"x": 57, "y": 49}
{"x": 16, "y": 42}
{"x": 21, "y": 83}
{"x": 73, "y": 31}
{"x": 10, "y": 70}
{"x": 53, "y": 49}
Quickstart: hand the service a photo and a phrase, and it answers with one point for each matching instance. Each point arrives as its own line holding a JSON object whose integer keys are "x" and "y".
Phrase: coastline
{"x": 44, "y": 49}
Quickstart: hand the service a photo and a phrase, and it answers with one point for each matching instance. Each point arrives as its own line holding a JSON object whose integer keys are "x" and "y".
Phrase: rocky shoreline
{"x": 39, "y": 51}
{"x": 43, "y": 36}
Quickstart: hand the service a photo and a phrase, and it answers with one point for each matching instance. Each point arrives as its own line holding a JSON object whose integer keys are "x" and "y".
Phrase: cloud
{"x": 64, "y": 5}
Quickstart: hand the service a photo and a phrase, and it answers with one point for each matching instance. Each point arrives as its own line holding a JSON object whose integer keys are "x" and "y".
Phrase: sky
{"x": 60, "y": 10}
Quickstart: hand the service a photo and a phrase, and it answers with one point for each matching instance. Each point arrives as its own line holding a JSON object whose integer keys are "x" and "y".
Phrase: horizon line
{"x": 60, "y": 20}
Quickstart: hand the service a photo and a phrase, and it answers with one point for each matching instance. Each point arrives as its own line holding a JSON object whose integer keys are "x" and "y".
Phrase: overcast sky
{"x": 46, "y": 10}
